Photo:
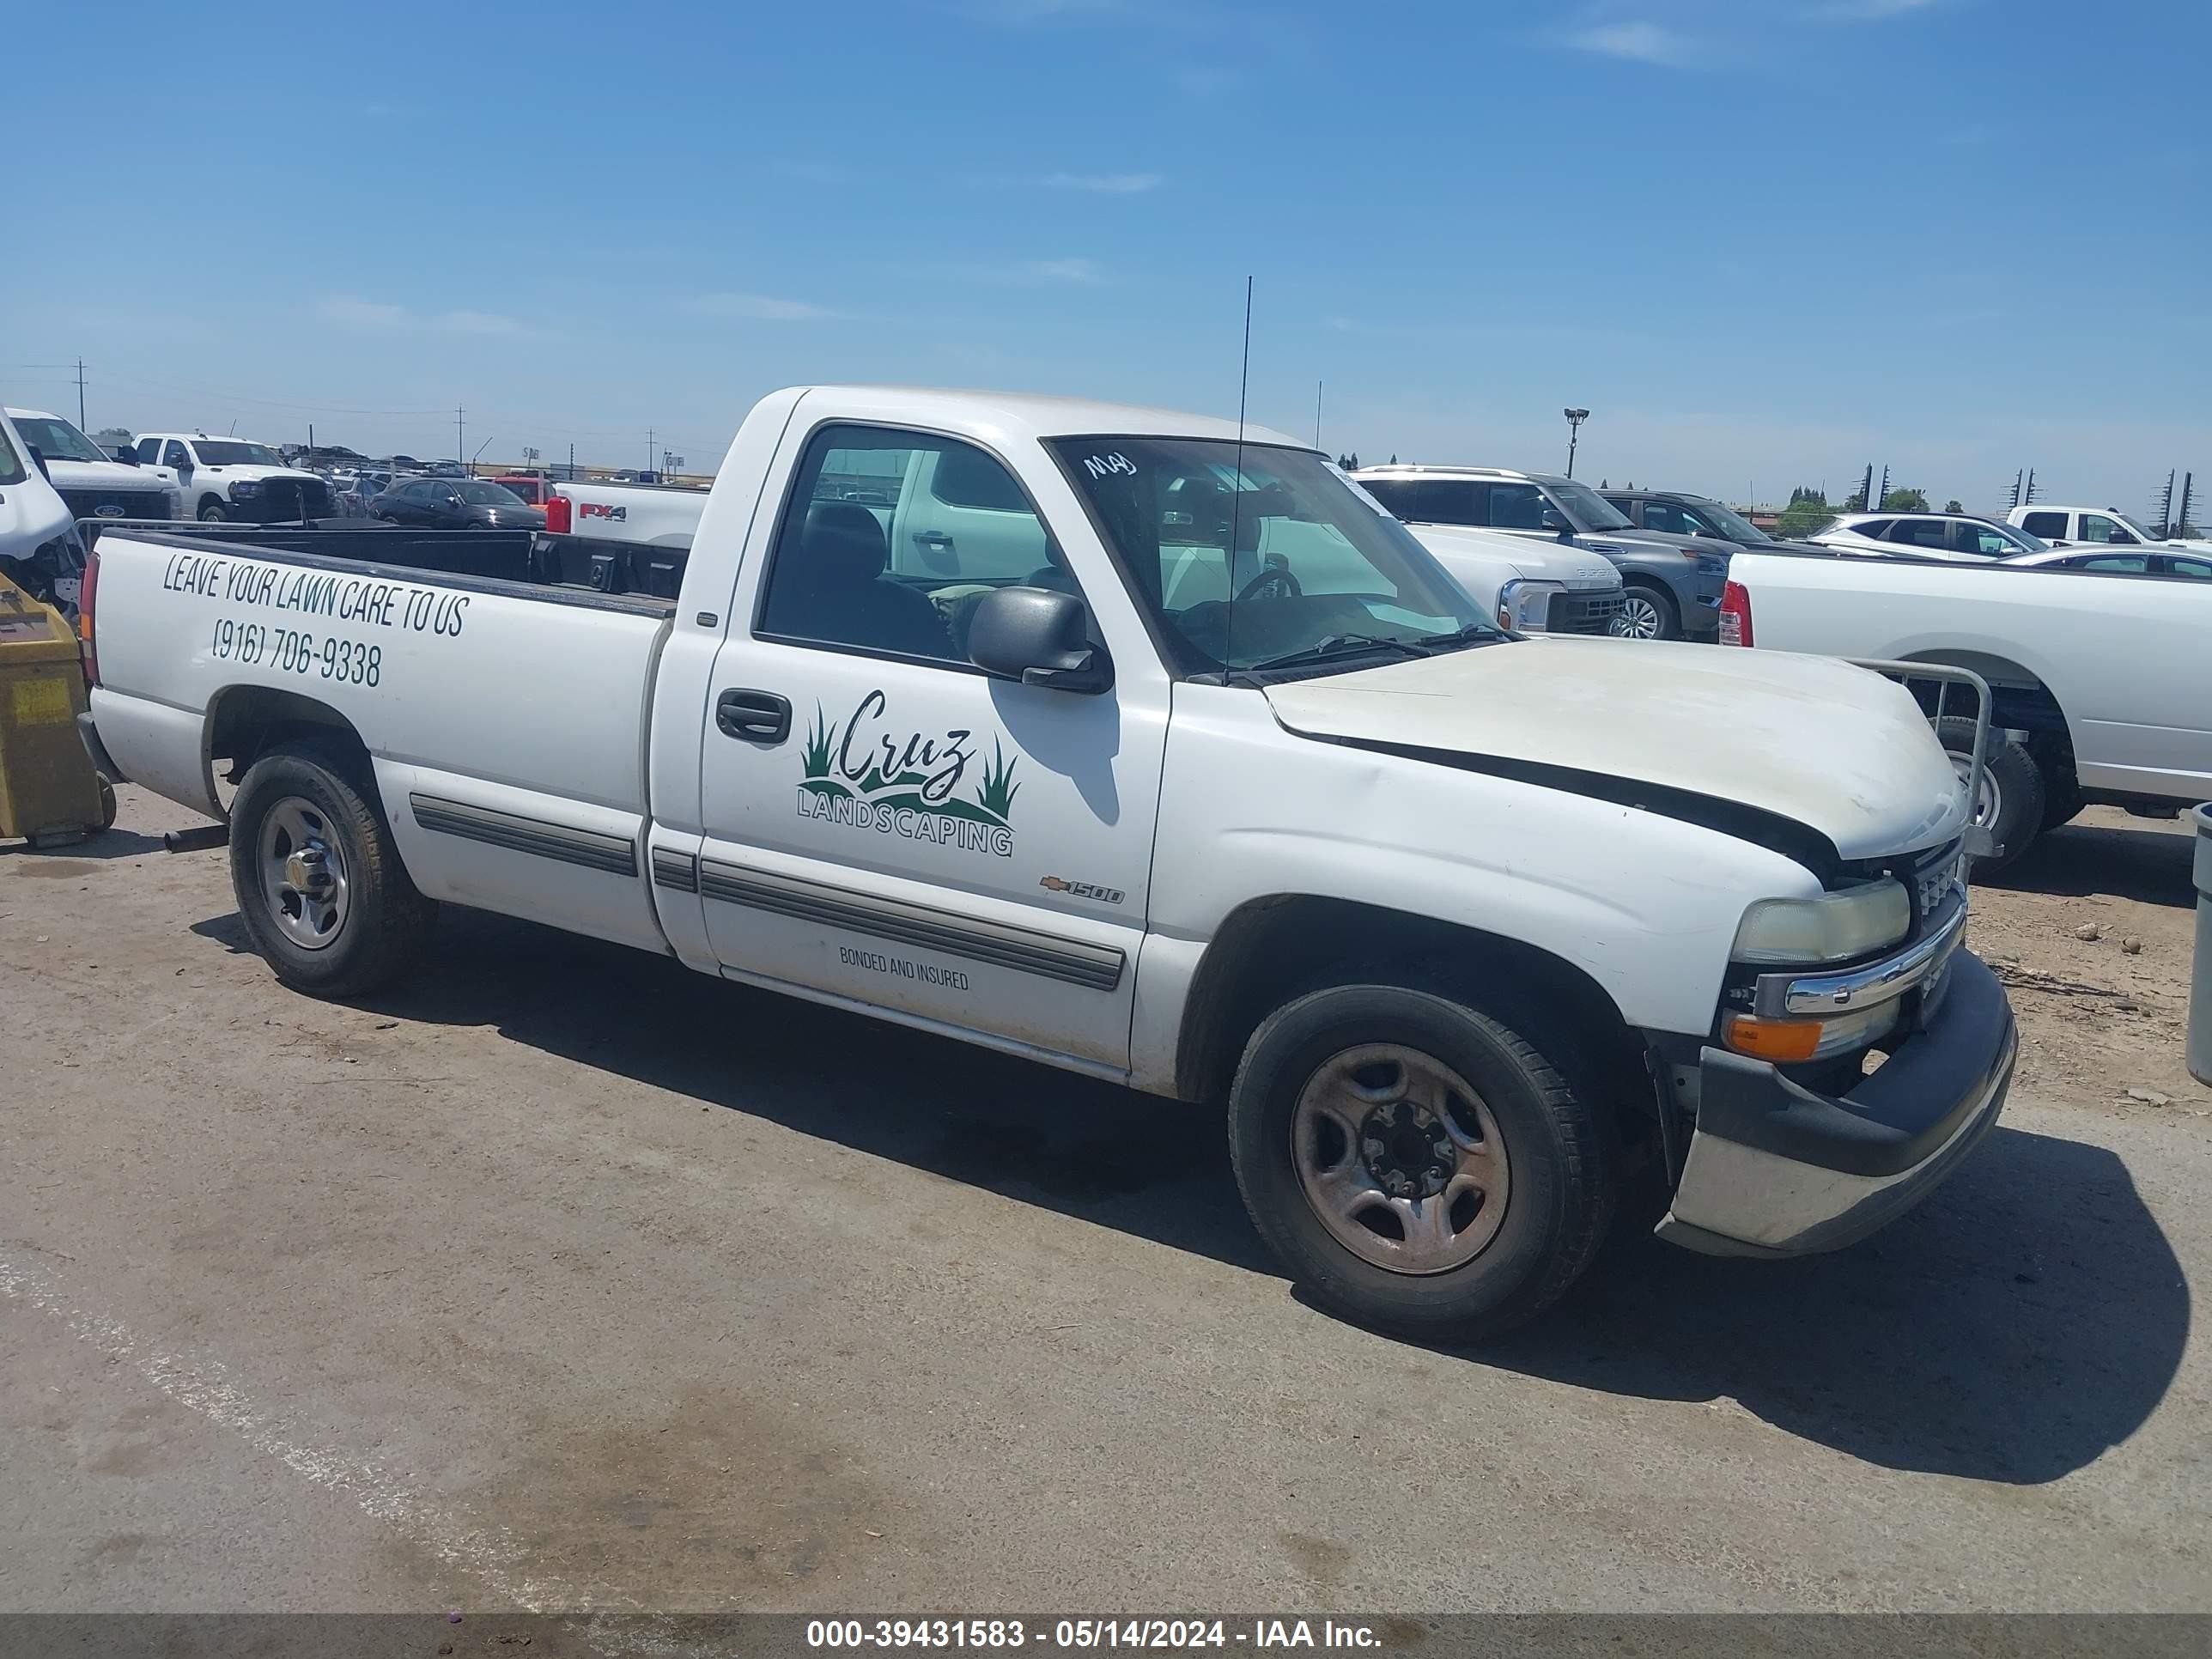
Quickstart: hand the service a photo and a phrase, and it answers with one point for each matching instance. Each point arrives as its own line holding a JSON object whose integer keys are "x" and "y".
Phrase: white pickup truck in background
{"x": 93, "y": 485}
{"x": 2102, "y": 682}
{"x": 2095, "y": 526}
{"x": 1172, "y": 762}
{"x": 649, "y": 515}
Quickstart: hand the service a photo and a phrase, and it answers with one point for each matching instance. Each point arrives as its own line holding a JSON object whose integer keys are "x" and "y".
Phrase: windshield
{"x": 2122, "y": 517}
{"x": 234, "y": 451}
{"x": 1732, "y": 525}
{"x": 1315, "y": 566}
{"x": 489, "y": 495}
{"x": 1585, "y": 507}
{"x": 55, "y": 440}
{"x": 2031, "y": 544}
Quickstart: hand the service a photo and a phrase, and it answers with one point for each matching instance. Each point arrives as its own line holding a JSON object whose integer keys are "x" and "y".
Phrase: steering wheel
{"x": 1275, "y": 582}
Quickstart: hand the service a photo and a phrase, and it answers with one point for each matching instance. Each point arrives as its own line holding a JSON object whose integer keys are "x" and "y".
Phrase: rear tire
{"x": 317, "y": 877}
{"x": 2012, "y": 796}
{"x": 1328, "y": 1134}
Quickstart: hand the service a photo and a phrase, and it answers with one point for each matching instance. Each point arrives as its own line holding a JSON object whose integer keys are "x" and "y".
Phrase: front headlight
{"x": 1832, "y": 928}
{"x": 245, "y": 489}
{"x": 1525, "y": 607}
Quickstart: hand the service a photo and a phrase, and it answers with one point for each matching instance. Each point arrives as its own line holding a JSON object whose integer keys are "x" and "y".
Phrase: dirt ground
{"x": 2107, "y": 1013}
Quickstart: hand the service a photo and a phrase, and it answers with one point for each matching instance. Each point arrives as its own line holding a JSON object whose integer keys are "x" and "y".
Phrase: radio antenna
{"x": 1237, "y": 495}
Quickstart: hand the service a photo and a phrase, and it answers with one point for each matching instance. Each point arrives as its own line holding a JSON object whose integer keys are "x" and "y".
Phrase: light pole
{"x": 1575, "y": 419}
{"x": 481, "y": 448}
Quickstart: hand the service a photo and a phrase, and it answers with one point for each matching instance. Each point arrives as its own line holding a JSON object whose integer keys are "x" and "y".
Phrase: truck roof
{"x": 1418, "y": 469}
{"x": 1037, "y": 416}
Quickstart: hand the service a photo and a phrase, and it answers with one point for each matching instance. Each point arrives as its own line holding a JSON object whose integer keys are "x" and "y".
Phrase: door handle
{"x": 756, "y": 716}
{"x": 935, "y": 540}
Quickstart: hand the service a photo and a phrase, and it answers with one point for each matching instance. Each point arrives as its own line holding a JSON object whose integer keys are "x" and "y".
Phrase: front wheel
{"x": 318, "y": 879}
{"x": 1647, "y": 614}
{"x": 2011, "y": 800}
{"x": 1419, "y": 1166}
{"x": 212, "y": 513}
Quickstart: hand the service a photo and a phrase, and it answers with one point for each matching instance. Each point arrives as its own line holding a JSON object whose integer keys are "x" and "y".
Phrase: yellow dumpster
{"x": 49, "y": 792}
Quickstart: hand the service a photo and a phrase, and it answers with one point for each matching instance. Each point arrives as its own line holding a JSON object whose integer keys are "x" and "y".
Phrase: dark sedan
{"x": 455, "y": 504}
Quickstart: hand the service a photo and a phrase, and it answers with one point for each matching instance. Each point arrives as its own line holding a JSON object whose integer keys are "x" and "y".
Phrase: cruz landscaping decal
{"x": 873, "y": 775}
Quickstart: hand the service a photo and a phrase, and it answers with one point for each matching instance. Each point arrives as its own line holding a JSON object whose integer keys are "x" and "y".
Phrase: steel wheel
{"x": 303, "y": 873}
{"x": 1401, "y": 1159}
{"x": 1640, "y": 618}
{"x": 1989, "y": 800}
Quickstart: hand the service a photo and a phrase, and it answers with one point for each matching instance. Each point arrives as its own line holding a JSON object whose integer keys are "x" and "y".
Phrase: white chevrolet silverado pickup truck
{"x": 1230, "y": 795}
{"x": 2102, "y": 682}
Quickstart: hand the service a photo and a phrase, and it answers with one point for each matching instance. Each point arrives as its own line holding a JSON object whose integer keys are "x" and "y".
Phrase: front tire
{"x": 2011, "y": 805}
{"x": 317, "y": 877}
{"x": 1647, "y": 614}
{"x": 1419, "y": 1166}
{"x": 211, "y": 511}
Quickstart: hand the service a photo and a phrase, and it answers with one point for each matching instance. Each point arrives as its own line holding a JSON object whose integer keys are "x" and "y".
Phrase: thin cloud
{"x": 763, "y": 307}
{"x": 1640, "y": 42}
{"x": 360, "y": 316}
{"x": 1104, "y": 184}
{"x": 1085, "y": 271}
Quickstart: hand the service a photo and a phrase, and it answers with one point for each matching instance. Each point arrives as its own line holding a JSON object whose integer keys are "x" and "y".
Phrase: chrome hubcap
{"x": 1401, "y": 1159}
{"x": 1638, "y": 619}
{"x": 303, "y": 873}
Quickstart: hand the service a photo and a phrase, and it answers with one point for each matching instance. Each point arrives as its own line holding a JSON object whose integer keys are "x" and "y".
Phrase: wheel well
{"x": 1272, "y": 950}
{"x": 247, "y": 721}
{"x": 2020, "y": 702}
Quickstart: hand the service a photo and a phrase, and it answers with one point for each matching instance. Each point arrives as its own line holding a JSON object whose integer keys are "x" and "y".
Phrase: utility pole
{"x": 648, "y": 449}
{"x": 79, "y": 394}
{"x": 1317, "y": 385}
{"x": 460, "y": 443}
{"x": 572, "y": 461}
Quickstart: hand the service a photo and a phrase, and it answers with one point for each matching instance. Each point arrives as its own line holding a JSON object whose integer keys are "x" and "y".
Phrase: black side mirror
{"x": 39, "y": 460}
{"x": 1556, "y": 522}
{"x": 1040, "y": 638}
{"x": 126, "y": 457}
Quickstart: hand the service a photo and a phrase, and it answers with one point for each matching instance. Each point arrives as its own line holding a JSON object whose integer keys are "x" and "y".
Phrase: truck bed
{"x": 574, "y": 569}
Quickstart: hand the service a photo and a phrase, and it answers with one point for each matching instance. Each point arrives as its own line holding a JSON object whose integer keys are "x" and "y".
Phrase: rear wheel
{"x": 2011, "y": 802}
{"x": 1419, "y": 1166}
{"x": 318, "y": 879}
{"x": 1647, "y": 614}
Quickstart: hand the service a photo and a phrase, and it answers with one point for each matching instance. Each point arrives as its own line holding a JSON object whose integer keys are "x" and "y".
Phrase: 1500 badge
{"x": 872, "y": 773}
{"x": 1082, "y": 890}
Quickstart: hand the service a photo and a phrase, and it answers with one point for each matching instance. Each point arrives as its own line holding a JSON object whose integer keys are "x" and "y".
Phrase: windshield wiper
{"x": 1336, "y": 645}
{"x": 1473, "y": 634}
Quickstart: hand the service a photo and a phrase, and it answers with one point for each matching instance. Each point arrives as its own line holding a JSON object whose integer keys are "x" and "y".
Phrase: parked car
{"x": 2143, "y": 561}
{"x": 1926, "y": 534}
{"x": 534, "y": 488}
{"x": 1233, "y": 795}
{"x": 92, "y": 485}
{"x": 442, "y": 503}
{"x": 1676, "y": 513}
{"x": 1672, "y": 584}
{"x": 40, "y": 550}
{"x": 2095, "y": 526}
{"x": 1525, "y": 587}
{"x": 234, "y": 478}
{"x": 2103, "y": 684}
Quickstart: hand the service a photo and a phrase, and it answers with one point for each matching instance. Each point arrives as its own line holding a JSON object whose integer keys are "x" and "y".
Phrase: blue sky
{"x": 1765, "y": 241}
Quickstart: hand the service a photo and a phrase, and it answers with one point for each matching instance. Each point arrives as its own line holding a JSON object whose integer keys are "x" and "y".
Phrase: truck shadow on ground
{"x": 2150, "y": 866}
{"x": 93, "y": 849}
{"x": 2029, "y": 1317}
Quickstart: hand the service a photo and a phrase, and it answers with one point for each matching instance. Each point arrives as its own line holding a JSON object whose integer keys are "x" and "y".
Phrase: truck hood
{"x": 1515, "y": 556}
{"x": 108, "y": 475}
{"x": 1839, "y": 750}
{"x": 235, "y": 474}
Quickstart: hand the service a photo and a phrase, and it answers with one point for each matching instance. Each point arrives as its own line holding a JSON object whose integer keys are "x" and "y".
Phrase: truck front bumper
{"x": 1775, "y": 1169}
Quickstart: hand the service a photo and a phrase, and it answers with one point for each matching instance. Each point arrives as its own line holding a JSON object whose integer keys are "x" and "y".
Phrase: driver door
{"x": 884, "y": 824}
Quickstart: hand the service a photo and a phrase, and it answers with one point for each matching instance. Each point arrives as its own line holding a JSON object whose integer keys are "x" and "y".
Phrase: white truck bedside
{"x": 1142, "y": 746}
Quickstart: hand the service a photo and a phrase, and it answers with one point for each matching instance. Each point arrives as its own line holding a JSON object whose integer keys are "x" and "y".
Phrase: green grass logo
{"x": 817, "y": 752}
{"x": 996, "y": 793}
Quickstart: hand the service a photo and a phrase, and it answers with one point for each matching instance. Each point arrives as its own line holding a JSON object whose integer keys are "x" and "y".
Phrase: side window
{"x": 149, "y": 452}
{"x": 1665, "y": 517}
{"x": 1918, "y": 532}
{"x": 2196, "y": 569}
{"x": 1980, "y": 540}
{"x": 175, "y": 454}
{"x": 1874, "y": 528}
{"x": 2126, "y": 564}
{"x": 1399, "y": 496}
{"x": 869, "y": 558}
{"x": 2096, "y": 527}
{"x": 2050, "y": 526}
{"x": 1517, "y": 506}
{"x": 1454, "y": 500}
